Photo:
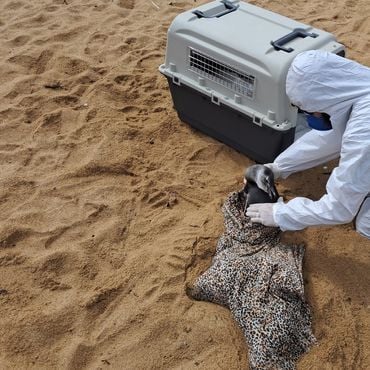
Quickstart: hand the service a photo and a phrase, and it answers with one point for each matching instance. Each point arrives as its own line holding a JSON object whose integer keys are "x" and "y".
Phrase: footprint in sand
{"x": 129, "y": 109}
{"x": 133, "y": 112}
{"x": 11, "y": 236}
{"x": 71, "y": 66}
{"x": 19, "y": 40}
{"x": 151, "y": 292}
{"x": 88, "y": 271}
{"x": 51, "y": 268}
{"x": 14, "y": 5}
{"x": 25, "y": 61}
{"x": 126, "y": 4}
{"x": 150, "y": 60}
{"x": 31, "y": 64}
{"x": 10, "y": 114}
{"x": 51, "y": 8}
{"x": 80, "y": 355}
{"x": 100, "y": 301}
{"x": 176, "y": 262}
{"x": 122, "y": 79}
{"x": 91, "y": 114}
{"x": 201, "y": 158}
{"x": 12, "y": 259}
{"x": 70, "y": 35}
{"x": 52, "y": 120}
{"x": 95, "y": 42}
{"x": 57, "y": 262}
{"x": 31, "y": 115}
{"x": 159, "y": 199}
{"x": 66, "y": 100}
{"x": 52, "y": 284}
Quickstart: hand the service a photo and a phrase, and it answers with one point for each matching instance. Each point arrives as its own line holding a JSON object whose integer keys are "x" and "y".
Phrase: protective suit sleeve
{"x": 347, "y": 186}
{"x": 311, "y": 149}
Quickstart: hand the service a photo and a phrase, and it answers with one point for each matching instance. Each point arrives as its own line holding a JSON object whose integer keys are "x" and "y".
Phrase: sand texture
{"x": 109, "y": 205}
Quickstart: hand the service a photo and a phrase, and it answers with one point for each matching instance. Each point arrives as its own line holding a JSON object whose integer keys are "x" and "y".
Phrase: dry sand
{"x": 109, "y": 205}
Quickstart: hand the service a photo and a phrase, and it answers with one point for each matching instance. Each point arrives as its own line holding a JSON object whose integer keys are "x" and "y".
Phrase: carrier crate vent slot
{"x": 237, "y": 81}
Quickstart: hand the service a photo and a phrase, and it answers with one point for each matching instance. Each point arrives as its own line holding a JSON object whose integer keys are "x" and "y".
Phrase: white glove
{"x": 275, "y": 169}
{"x": 262, "y": 213}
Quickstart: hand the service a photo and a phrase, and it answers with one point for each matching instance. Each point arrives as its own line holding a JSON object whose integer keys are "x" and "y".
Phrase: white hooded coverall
{"x": 319, "y": 81}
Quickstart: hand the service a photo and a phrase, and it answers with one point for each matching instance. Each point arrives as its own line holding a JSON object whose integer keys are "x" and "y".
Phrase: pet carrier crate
{"x": 226, "y": 65}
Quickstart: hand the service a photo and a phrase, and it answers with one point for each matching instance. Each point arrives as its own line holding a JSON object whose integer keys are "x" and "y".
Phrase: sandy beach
{"x": 109, "y": 205}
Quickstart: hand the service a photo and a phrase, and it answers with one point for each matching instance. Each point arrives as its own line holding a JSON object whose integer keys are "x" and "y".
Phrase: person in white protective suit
{"x": 334, "y": 93}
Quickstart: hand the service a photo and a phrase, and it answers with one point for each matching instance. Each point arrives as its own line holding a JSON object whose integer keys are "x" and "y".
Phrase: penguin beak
{"x": 267, "y": 185}
{"x": 271, "y": 189}
{"x": 272, "y": 192}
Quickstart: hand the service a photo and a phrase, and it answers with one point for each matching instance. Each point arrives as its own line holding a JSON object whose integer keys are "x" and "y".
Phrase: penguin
{"x": 259, "y": 186}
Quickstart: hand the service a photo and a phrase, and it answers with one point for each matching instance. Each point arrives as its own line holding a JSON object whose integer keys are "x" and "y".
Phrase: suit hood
{"x": 318, "y": 81}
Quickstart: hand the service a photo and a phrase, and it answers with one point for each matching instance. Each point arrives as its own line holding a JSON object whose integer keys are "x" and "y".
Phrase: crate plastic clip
{"x": 271, "y": 115}
{"x": 176, "y": 80}
{"x": 215, "y": 99}
{"x": 237, "y": 99}
{"x": 257, "y": 120}
{"x": 201, "y": 81}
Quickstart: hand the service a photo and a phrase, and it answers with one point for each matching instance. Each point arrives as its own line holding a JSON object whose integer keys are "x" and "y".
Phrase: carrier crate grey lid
{"x": 248, "y": 33}
{"x": 224, "y": 51}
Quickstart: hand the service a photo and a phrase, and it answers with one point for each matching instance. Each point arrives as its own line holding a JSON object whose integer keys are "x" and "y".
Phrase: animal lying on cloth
{"x": 260, "y": 280}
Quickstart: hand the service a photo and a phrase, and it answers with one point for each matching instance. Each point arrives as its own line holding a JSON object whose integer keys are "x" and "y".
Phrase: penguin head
{"x": 263, "y": 178}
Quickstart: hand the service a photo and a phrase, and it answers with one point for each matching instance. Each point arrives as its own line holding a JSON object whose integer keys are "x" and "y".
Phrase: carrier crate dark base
{"x": 260, "y": 143}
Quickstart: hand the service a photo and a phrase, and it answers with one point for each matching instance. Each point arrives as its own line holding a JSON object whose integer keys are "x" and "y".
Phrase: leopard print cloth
{"x": 260, "y": 280}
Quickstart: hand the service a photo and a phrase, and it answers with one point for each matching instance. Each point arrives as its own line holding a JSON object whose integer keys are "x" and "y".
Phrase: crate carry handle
{"x": 230, "y": 7}
{"x": 297, "y": 32}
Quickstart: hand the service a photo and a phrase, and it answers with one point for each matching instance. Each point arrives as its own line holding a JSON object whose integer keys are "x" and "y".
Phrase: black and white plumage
{"x": 259, "y": 186}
